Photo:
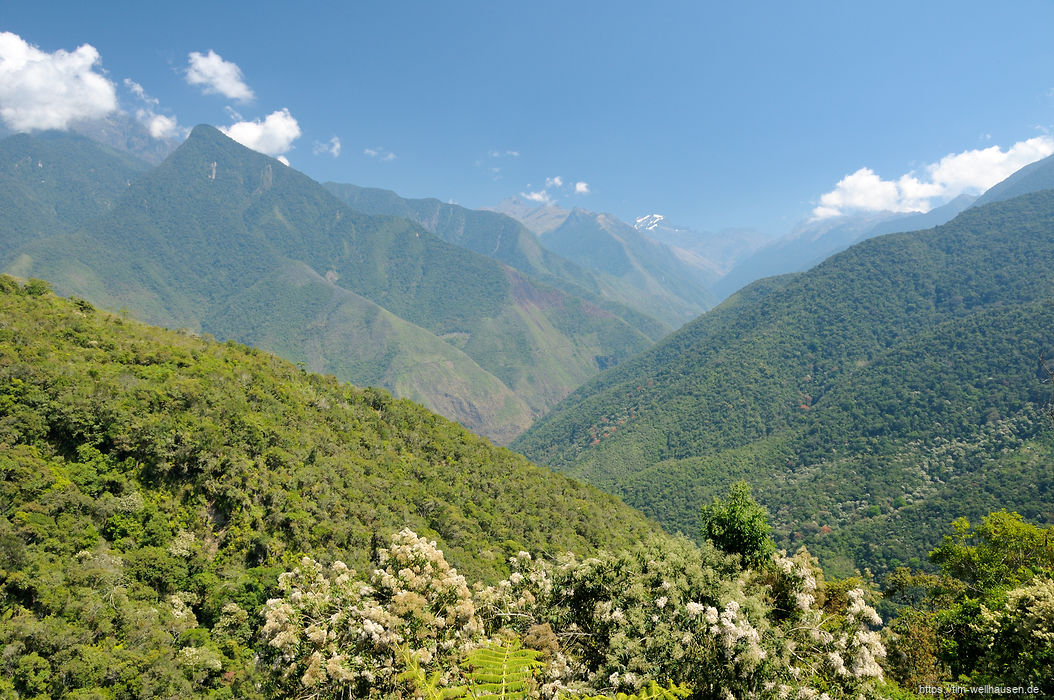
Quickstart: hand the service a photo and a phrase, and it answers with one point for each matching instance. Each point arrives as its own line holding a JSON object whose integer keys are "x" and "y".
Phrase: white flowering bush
{"x": 333, "y": 635}
{"x": 609, "y": 624}
{"x": 1018, "y": 636}
{"x": 830, "y": 652}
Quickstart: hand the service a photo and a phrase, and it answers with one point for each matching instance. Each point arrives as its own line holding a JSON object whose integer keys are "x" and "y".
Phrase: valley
{"x": 481, "y": 351}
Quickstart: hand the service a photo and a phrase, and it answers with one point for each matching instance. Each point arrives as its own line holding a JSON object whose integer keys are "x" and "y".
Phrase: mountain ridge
{"x": 796, "y": 376}
{"x": 216, "y": 218}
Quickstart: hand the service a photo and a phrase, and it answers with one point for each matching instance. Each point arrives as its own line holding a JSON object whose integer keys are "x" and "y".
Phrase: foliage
{"x": 868, "y": 401}
{"x": 153, "y": 486}
{"x": 738, "y": 525}
{"x": 988, "y": 618}
{"x": 603, "y": 626}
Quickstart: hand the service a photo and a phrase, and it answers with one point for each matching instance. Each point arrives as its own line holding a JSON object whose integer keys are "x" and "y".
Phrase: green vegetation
{"x": 887, "y": 391}
{"x": 605, "y": 626}
{"x": 175, "y": 515}
{"x": 153, "y": 485}
{"x": 54, "y": 182}
{"x": 224, "y": 240}
{"x": 738, "y": 525}
{"x": 988, "y": 618}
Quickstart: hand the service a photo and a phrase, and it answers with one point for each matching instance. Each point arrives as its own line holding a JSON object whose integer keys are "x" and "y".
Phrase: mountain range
{"x": 663, "y": 284}
{"x": 223, "y": 240}
{"x": 866, "y": 399}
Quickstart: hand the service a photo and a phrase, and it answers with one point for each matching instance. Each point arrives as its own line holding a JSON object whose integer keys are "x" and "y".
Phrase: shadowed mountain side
{"x": 383, "y": 349}
{"x": 53, "y": 182}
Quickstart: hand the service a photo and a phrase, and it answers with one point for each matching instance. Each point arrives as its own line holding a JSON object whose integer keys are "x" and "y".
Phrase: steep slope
{"x": 867, "y": 396}
{"x": 189, "y": 243}
{"x": 714, "y": 251}
{"x": 153, "y": 486}
{"x": 54, "y": 182}
{"x": 507, "y": 240}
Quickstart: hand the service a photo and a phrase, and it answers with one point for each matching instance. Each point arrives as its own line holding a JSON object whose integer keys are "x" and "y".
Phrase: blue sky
{"x": 746, "y": 114}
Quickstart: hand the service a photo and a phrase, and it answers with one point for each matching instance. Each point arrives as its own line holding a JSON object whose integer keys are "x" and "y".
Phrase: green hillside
{"x": 221, "y": 239}
{"x": 506, "y": 239}
{"x": 54, "y": 182}
{"x": 136, "y": 463}
{"x": 866, "y": 400}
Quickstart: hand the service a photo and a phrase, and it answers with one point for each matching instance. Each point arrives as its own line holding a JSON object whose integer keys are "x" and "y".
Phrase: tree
{"x": 738, "y": 525}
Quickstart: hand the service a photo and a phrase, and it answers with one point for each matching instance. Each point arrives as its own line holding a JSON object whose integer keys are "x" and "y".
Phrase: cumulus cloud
{"x": 40, "y": 90}
{"x": 273, "y": 136}
{"x": 216, "y": 75}
{"x": 972, "y": 172}
{"x": 556, "y": 181}
{"x": 379, "y": 153}
{"x": 160, "y": 126}
{"x": 331, "y": 147}
{"x": 581, "y": 187}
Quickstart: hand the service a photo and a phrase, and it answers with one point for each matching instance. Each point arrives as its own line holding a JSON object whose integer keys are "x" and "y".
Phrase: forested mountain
{"x": 867, "y": 399}
{"x": 221, "y": 239}
{"x": 507, "y": 240}
{"x": 139, "y": 464}
{"x": 54, "y": 182}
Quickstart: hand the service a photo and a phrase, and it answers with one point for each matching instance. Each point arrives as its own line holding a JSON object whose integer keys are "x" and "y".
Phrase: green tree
{"x": 739, "y": 525}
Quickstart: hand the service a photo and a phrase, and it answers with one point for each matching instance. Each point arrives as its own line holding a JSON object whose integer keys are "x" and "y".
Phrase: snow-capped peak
{"x": 649, "y": 222}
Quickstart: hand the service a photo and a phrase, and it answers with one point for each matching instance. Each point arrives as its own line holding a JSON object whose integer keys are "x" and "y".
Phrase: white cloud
{"x": 216, "y": 75}
{"x": 283, "y": 160}
{"x": 160, "y": 126}
{"x": 972, "y": 171}
{"x": 581, "y": 187}
{"x": 554, "y": 181}
{"x": 137, "y": 90}
{"x": 379, "y": 153}
{"x": 40, "y": 90}
{"x": 272, "y": 136}
{"x": 331, "y": 147}
{"x": 541, "y": 196}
